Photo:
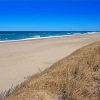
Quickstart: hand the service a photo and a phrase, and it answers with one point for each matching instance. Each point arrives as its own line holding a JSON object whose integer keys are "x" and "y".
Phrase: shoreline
{"x": 38, "y": 38}
{"x": 19, "y": 60}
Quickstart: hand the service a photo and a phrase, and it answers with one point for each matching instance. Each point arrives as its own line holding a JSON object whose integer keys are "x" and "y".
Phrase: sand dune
{"x": 76, "y": 77}
{"x": 22, "y": 59}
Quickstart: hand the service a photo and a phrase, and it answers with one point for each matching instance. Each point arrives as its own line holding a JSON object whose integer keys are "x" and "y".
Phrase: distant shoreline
{"x": 38, "y": 38}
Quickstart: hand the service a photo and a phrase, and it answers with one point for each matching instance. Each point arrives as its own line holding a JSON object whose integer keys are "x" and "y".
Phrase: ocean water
{"x": 25, "y": 35}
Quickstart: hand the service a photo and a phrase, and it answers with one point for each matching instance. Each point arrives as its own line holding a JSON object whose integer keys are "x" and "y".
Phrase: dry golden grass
{"x": 76, "y": 77}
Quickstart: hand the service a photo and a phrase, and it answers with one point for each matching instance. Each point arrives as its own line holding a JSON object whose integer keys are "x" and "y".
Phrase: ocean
{"x": 26, "y": 35}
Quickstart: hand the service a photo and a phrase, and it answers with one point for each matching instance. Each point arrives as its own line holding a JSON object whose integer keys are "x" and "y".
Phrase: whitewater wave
{"x": 56, "y": 36}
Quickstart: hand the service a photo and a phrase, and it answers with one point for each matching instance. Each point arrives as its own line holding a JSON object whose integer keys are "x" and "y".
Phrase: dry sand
{"x": 21, "y": 59}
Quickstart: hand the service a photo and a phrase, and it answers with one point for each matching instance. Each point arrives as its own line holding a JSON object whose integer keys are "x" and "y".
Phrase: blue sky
{"x": 49, "y": 15}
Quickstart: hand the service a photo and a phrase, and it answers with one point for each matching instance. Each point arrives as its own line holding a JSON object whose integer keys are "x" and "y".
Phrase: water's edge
{"x": 38, "y": 38}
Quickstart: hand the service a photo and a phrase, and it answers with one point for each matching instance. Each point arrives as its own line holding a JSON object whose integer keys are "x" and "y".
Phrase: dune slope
{"x": 76, "y": 77}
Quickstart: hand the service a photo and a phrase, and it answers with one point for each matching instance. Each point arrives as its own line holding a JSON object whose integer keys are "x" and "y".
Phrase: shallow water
{"x": 25, "y": 35}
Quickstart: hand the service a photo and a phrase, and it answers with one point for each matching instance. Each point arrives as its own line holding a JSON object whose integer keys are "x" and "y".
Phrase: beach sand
{"x": 21, "y": 59}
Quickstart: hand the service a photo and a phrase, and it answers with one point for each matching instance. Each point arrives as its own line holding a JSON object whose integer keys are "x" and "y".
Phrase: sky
{"x": 49, "y": 15}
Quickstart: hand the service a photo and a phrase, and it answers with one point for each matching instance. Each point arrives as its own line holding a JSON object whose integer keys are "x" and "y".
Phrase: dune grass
{"x": 76, "y": 77}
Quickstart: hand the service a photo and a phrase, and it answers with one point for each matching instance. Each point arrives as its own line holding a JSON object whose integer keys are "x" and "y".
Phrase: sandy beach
{"x": 21, "y": 59}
